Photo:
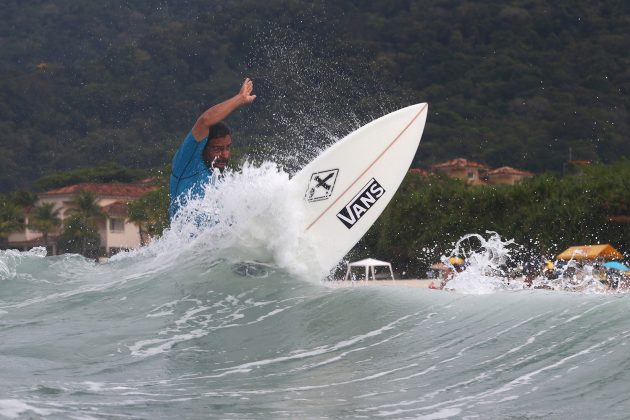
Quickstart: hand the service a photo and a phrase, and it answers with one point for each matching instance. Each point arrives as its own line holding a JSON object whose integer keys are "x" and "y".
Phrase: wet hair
{"x": 220, "y": 129}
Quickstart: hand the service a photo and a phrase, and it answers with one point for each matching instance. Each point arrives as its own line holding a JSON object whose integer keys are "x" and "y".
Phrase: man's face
{"x": 217, "y": 152}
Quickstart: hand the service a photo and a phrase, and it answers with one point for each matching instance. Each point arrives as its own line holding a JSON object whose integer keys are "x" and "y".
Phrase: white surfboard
{"x": 346, "y": 188}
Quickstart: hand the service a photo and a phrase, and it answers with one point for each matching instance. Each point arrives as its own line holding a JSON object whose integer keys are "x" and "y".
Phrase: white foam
{"x": 146, "y": 348}
{"x": 483, "y": 273}
{"x": 12, "y": 258}
{"x": 248, "y": 215}
{"x": 15, "y": 408}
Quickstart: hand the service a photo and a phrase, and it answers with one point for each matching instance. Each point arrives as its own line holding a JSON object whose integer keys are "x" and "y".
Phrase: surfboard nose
{"x": 416, "y": 107}
{"x": 348, "y": 186}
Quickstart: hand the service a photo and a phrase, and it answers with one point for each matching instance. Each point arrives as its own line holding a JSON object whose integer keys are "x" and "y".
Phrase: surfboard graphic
{"x": 349, "y": 185}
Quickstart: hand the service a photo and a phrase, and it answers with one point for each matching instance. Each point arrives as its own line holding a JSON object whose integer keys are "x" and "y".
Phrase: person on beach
{"x": 205, "y": 149}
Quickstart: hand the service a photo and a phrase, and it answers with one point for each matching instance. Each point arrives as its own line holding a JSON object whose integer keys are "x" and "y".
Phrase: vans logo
{"x": 321, "y": 185}
{"x": 361, "y": 203}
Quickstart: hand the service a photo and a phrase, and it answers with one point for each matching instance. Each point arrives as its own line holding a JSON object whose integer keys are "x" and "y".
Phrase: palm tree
{"x": 137, "y": 213}
{"x": 87, "y": 208}
{"x": 150, "y": 213}
{"x": 11, "y": 218}
{"x": 44, "y": 218}
{"x": 24, "y": 199}
{"x": 82, "y": 225}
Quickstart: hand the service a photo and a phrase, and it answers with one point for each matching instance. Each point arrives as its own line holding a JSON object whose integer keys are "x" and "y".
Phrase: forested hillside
{"x": 521, "y": 83}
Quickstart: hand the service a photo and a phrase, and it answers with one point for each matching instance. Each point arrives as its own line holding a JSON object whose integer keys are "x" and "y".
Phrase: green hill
{"x": 520, "y": 83}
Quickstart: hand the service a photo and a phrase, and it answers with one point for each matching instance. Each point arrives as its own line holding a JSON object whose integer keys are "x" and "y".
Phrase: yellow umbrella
{"x": 590, "y": 252}
{"x": 456, "y": 261}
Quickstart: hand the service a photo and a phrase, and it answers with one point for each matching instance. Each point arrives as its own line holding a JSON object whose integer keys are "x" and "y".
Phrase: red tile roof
{"x": 109, "y": 190}
{"x": 117, "y": 208}
{"x": 145, "y": 181}
{"x": 459, "y": 163}
{"x": 418, "y": 171}
{"x": 508, "y": 170}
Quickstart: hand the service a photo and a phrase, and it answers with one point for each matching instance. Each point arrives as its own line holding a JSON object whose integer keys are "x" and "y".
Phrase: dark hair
{"x": 220, "y": 129}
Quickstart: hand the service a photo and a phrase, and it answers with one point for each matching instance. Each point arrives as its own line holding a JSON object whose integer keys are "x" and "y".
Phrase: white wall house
{"x": 465, "y": 170}
{"x": 116, "y": 231}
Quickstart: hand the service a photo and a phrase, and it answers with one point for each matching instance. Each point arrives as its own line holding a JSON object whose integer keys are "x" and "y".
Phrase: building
{"x": 506, "y": 175}
{"x": 465, "y": 170}
{"x": 574, "y": 167}
{"x": 116, "y": 231}
{"x": 419, "y": 171}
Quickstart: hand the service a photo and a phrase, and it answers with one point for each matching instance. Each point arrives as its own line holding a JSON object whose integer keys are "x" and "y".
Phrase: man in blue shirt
{"x": 205, "y": 148}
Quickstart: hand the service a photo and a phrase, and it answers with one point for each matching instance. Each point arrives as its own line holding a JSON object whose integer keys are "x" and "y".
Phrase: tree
{"x": 11, "y": 218}
{"x": 44, "y": 218}
{"x": 150, "y": 213}
{"x": 79, "y": 236}
{"x": 87, "y": 207}
{"x": 81, "y": 231}
{"x": 509, "y": 84}
{"x": 23, "y": 198}
{"x": 109, "y": 172}
{"x": 544, "y": 215}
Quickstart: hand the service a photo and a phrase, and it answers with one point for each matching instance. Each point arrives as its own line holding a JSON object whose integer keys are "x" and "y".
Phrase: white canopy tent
{"x": 369, "y": 264}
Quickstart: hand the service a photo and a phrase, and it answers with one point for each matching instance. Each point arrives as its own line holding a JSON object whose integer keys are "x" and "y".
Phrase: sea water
{"x": 187, "y": 327}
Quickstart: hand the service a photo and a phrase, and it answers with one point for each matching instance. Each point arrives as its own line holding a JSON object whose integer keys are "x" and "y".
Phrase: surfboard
{"x": 347, "y": 187}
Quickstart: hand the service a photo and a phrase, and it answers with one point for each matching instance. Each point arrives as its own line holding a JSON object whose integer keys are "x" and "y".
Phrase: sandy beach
{"x": 417, "y": 283}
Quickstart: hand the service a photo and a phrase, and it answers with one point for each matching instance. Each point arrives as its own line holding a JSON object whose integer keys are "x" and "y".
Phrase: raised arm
{"x": 221, "y": 111}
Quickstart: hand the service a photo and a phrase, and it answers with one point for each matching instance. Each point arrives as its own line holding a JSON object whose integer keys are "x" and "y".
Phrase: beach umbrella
{"x": 616, "y": 266}
{"x": 456, "y": 261}
{"x": 590, "y": 252}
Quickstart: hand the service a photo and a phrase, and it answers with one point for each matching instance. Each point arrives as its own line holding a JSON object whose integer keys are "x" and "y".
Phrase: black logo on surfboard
{"x": 361, "y": 203}
{"x": 321, "y": 185}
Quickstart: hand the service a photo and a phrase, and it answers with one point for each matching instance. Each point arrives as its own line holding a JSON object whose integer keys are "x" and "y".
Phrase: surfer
{"x": 205, "y": 148}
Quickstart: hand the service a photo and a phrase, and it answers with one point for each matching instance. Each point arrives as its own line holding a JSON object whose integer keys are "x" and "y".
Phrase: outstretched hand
{"x": 220, "y": 111}
{"x": 246, "y": 91}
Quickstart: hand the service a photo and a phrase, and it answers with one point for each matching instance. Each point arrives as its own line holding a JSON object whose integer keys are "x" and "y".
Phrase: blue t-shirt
{"x": 189, "y": 173}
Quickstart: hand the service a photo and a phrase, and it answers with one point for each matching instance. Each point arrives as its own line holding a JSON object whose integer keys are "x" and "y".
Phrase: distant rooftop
{"x": 419, "y": 171}
{"x": 110, "y": 190}
{"x": 116, "y": 208}
{"x": 459, "y": 163}
{"x": 508, "y": 170}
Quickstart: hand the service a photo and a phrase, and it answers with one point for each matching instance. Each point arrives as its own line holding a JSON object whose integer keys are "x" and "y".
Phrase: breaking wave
{"x": 220, "y": 318}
